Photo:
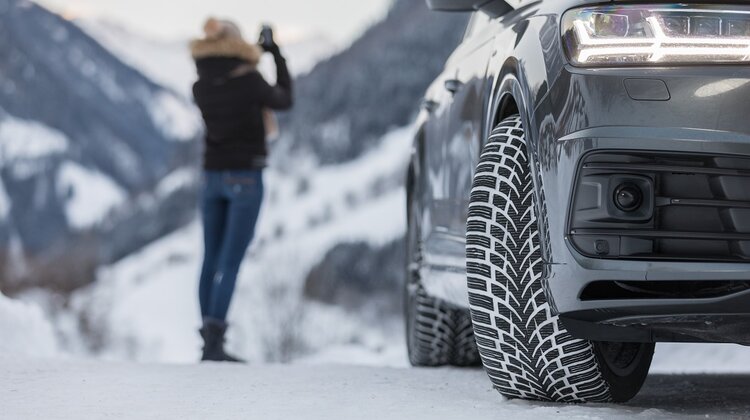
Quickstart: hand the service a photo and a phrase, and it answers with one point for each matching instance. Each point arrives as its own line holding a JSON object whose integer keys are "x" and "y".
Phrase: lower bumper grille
{"x": 627, "y": 290}
{"x": 692, "y": 207}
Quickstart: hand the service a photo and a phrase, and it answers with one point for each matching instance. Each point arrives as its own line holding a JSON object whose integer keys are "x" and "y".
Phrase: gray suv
{"x": 580, "y": 190}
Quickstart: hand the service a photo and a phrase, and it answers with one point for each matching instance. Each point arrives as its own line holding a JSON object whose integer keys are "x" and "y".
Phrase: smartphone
{"x": 266, "y": 36}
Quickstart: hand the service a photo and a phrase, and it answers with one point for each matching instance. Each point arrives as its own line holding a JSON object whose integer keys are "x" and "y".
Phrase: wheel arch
{"x": 414, "y": 171}
{"x": 508, "y": 96}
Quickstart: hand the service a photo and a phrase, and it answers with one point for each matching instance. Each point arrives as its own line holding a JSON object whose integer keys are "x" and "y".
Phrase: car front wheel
{"x": 525, "y": 349}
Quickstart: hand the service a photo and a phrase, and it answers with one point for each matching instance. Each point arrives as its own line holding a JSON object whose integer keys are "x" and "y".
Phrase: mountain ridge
{"x": 352, "y": 99}
{"x": 113, "y": 129}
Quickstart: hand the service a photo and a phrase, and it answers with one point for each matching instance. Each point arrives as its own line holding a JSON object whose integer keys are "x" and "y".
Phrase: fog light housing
{"x": 628, "y": 197}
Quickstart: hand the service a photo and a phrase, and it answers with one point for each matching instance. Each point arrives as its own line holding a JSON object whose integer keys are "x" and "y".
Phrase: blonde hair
{"x": 221, "y": 28}
{"x": 223, "y": 38}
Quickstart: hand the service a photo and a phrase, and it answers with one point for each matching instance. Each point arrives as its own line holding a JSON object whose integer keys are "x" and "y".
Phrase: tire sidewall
{"x": 524, "y": 347}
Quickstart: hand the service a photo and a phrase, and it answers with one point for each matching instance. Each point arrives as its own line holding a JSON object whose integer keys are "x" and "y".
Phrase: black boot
{"x": 213, "y": 338}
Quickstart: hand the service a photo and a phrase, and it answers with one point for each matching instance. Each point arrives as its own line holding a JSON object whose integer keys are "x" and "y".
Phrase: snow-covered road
{"x": 96, "y": 390}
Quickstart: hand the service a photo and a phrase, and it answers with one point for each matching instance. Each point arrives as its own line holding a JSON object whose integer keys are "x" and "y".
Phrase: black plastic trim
{"x": 663, "y": 229}
{"x": 691, "y": 202}
{"x": 662, "y": 234}
{"x": 619, "y": 167}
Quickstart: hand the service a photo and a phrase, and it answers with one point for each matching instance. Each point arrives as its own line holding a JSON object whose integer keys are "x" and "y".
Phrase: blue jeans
{"x": 230, "y": 204}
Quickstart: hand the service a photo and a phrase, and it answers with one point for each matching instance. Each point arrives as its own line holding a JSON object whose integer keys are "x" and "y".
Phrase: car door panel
{"x": 465, "y": 127}
{"x": 434, "y": 194}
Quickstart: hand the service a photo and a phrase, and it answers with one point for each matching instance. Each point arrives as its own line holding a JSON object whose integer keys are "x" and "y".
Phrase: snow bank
{"x": 91, "y": 195}
{"x": 145, "y": 307}
{"x": 24, "y": 330}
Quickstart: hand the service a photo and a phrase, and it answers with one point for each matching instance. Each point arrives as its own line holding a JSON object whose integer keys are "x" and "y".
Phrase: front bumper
{"x": 594, "y": 112}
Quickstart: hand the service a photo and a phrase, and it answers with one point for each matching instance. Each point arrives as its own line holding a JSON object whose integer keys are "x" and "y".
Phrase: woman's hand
{"x": 272, "y": 48}
{"x": 266, "y": 40}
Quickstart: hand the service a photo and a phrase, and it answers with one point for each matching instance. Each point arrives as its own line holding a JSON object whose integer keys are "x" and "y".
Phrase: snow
{"x": 75, "y": 390}
{"x": 91, "y": 195}
{"x": 167, "y": 63}
{"x": 27, "y": 140}
{"x": 338, "y": 363}
{"x": 24, "y": 330}
{"x": 175, "y": 181}
{"x": 144, "y": 308}
{"x": 343, "y": 192}
{"x": 701, "y": 358}
{"x": 26, "y": 145}
{"x": 175, "y": 117}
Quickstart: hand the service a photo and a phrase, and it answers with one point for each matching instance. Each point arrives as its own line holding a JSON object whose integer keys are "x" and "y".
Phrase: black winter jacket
{"x": 231, "y": 96}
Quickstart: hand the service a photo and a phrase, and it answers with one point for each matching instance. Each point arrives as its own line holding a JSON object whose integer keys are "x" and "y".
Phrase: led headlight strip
{"x": 642, "y": 35}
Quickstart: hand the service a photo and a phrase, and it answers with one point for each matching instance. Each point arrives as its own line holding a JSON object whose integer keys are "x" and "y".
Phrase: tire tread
{"x": 442, "y": 334}
{"x": 526, "y": 351}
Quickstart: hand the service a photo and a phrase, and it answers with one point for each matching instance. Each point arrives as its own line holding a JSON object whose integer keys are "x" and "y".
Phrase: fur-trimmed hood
{"x": 226, "y": 47}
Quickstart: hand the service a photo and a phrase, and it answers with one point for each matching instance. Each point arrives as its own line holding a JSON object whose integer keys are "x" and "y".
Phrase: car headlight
{"x": 657, "y": 35}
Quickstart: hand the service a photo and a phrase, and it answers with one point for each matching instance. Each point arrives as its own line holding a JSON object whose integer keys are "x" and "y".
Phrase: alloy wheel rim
{"x": 621, "y": 358}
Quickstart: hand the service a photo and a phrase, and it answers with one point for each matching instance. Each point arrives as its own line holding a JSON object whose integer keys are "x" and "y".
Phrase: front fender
{"x": 510, "y": 97}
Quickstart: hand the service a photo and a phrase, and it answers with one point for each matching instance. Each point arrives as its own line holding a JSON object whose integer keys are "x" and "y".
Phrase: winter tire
{"x": 525, "y": 350}
{"x": 437, "y": 333}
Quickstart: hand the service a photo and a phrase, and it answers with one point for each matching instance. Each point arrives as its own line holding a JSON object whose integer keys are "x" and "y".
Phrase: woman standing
{"x": 234, "y": 100}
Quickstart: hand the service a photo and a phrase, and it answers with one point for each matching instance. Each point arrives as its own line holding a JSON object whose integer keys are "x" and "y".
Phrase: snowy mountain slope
{"x": 169, "y": 63}
{"x": 310, "y": 210}
{"x": 23, "y": 140}
{"x": 75, "y": 390}
{"x": 125, "y": 130}
{"x": 84, "y": 140}
{"x": 347, "y": 103}
{"x": 304, "y": 216}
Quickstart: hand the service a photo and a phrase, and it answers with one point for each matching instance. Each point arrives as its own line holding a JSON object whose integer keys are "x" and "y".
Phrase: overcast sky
{"x": 339, "y": 20}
